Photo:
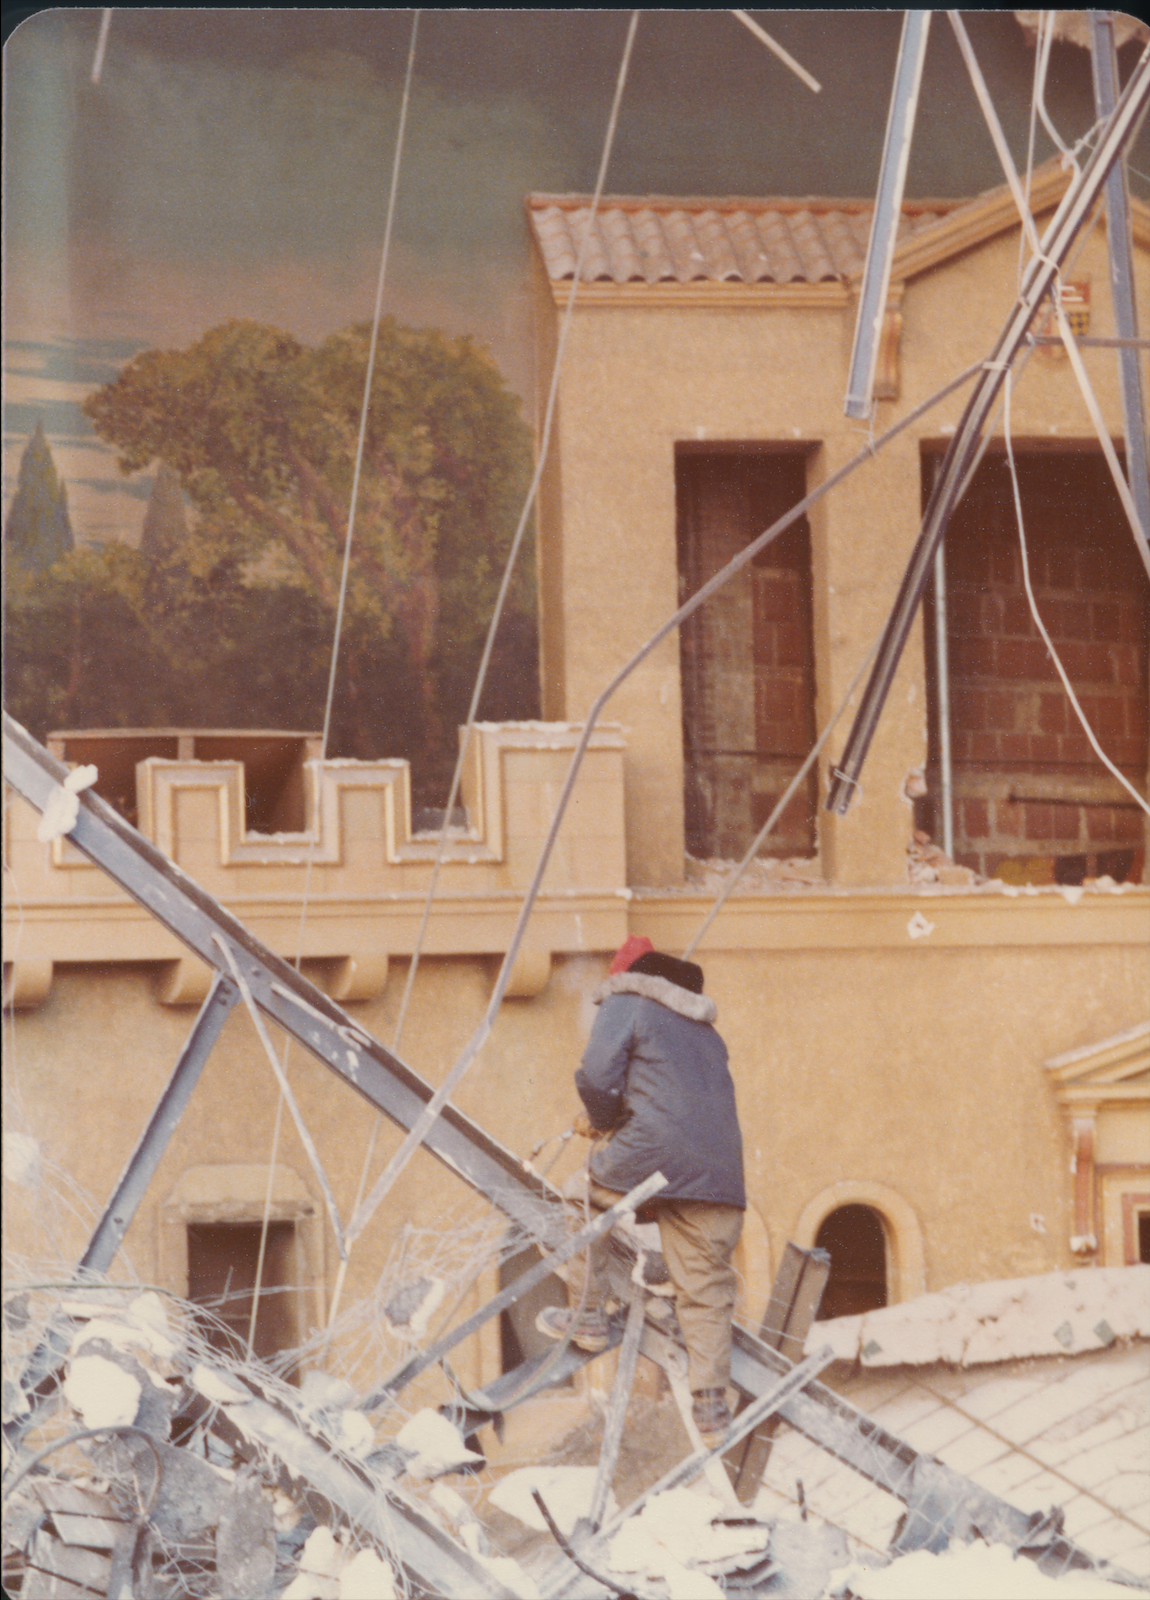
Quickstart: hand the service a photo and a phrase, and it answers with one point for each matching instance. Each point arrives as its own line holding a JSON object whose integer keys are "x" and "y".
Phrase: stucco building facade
{"x": 955, "y": 1071}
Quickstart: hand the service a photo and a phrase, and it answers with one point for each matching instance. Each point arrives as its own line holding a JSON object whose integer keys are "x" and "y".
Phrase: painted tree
{"x": 165, "y": 530}
{"x": 38, "y": 531}
{"x": 261, "y": 431}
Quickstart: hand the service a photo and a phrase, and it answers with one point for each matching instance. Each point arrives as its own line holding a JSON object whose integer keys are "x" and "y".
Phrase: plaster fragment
{"x": 21, "y": 1159}
{"x": 366, "y": 1577}
{"x": 918, "y": 927}
{"x": 104, "y": 1394}
{"x": 434, "y": 1444}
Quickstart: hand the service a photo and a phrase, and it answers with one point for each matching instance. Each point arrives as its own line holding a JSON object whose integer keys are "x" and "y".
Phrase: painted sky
{"x": 236, "y": 164}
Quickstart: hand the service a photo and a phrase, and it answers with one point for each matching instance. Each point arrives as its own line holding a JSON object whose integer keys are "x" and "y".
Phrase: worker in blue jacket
{"x": 658, "y": 1097}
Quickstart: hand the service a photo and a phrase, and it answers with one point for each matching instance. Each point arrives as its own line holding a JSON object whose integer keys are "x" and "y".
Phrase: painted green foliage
{"x": 225, "y": 615}
{"x": 38, "y": 531}
{"x": 262, "y": 432}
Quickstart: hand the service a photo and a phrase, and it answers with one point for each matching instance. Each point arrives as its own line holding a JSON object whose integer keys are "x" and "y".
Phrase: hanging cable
{"x": 353, "y": 504}
{"x": 1041, "y": 626}
{"x": 508, "y": 571}
{"x": 439, "y": 1099}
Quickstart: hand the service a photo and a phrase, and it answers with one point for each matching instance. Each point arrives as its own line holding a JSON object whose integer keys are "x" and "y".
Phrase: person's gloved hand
{"x": 583, "y": 1127}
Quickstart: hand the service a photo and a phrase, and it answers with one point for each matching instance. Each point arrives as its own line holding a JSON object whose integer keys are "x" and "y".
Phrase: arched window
{"x": 855, "y": 1238}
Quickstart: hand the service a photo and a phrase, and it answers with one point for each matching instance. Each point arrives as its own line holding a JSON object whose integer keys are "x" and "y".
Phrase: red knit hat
{"x": 633, "y": 946}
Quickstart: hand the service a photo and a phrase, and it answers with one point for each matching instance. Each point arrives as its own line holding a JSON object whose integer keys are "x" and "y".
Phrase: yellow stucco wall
{"x": 640, "y": 375}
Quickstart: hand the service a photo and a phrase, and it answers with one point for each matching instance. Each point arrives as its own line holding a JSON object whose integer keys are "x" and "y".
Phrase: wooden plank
{"x": 82, "y": 1567}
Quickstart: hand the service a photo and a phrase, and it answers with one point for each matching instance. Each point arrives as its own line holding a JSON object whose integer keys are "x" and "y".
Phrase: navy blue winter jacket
{"x": 655, "y": 1073}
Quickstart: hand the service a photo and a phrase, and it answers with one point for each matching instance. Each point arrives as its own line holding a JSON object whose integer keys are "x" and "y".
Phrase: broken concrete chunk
{"x": 104, "y": 1395}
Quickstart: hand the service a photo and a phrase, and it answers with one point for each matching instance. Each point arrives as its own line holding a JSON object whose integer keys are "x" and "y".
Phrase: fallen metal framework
{"x": 938, "y": 1500}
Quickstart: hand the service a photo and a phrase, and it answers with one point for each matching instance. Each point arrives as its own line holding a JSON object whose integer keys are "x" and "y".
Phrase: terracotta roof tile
{"x": 713, "y": 241}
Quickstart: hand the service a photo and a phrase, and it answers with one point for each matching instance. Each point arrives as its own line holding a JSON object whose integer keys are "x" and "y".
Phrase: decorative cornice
{"x": 829, "y": 296}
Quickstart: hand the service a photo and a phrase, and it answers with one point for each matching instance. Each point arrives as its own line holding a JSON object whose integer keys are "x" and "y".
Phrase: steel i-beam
{"x": 887, "y": 210}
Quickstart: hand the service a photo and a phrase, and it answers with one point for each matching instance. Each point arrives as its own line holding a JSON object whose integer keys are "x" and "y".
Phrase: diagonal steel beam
{"x": 283, "y": 994}
{"x": 1040, "y": 275}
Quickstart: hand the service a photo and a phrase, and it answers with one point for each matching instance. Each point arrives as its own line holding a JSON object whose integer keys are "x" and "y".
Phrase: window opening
{"x": 273, "y": 763}
{"x": 856, "y": 1241}
{"x": 222, "y": 1260}
{"x": 1032, "y": 803}
{"x": 519, "y": 1338}
{"x": 1144, "y": 1236}
{"x": 747, "y": 656}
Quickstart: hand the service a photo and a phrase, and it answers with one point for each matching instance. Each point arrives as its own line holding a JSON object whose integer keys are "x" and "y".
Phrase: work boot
{"x": 588, "y": 1329}
{"x": 711, "y": 1415}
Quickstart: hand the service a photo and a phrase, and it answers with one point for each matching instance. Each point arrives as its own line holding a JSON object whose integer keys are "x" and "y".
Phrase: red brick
{"x": 968, "y": 707}
{"x": 1099, "y": 823}
{"x": 1107, "y": 621}
{"x": 1075, "y": 747}
{"x": 984, "y": 747}
{"x": 1126, "y": 666}
{"x": 972, "y": 658}
{"x": 1004, "y": 563}
{"x": 1008, "y": 818}
{"x": 960, "y": 745}
{"x": 1127, "y": 752}
{"x": 790, "y": 644}
{"x": 967, "y": 560}
{"x": 971, "y": 859}
{"x": 1127, "y": 824}
{"x": 1026, "y": 658}
{"x": 1066, "y": 619}
{"x": 1067, "y": 820}
{"x": 1044, "y": 747}
{"x": 1060, "y": 567}
{"x": 1137, "y": 712}
{"x": 776, "y": 597}
{"x": 975, "y": 819}
{"x": 1052, "y": 713}
{"x": 1133, "y": 622}
{"x": 1016, "y": 617}
{"x": 1000, "y": 711}
{"x": 964, "y": 611}
{"x": 1105, "y": 713}
{"x": 1039, "y": 820}
{"x": 1086, "y": 663}
{"x": 1014, "y": 746}
{"x": 993, "y": 859}
{"x": 776, "y": 700}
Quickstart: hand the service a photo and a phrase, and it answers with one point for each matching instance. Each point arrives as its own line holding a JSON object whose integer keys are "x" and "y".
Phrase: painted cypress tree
{"x": 165, "y": 529}
{"x": 38, "y": 531}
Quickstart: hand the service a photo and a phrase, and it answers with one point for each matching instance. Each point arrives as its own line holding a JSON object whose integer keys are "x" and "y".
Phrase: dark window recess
{"x": 854, "y": 1238}
{"x": 222, "y": 1260}
{"x": 1144, "y": 1236}
{"x": 519, "y": 1338}
{"x": 747, "y": 655}
{"x": 1032, "y": 801}
{"x": 273, "y": 763}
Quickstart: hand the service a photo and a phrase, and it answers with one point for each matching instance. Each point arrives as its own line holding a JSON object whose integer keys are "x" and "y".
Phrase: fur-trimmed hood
{"x": 695, "y": 1007}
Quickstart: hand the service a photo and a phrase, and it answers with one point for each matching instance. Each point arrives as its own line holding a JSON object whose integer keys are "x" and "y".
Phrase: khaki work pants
{"x": 698, "y": 1240}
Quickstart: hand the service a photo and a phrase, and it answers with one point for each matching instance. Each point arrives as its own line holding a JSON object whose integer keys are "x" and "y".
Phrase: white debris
{"x": 412, "y": 1307}
{"x": 918, "y": 927}
{"x": 511, "y": 1575}
{"x": 417, "y": 1326}
{"x": 453, "y": 1506}
{"x": 215, "y": 1387}
{"x": 1056, "y": 1313}
{"x": 356, "y": 1434}
{"x": 566, "y": 1492}
{"x": 322, "y": 1553}
{"x": 319, "y": 1391}
{"x": 63, "y": 806}
{"x": 21, "y": 1159}
{"x": 143, "y": 1326}
{"x": 311, "y": 1586}
{"x": 366, "y": 1577}
{"x": 104, "y": 1394}
{"x": 974, "y": 1569}
{"x": 435, "y": 1445}
{"x": 676, "y": 1529}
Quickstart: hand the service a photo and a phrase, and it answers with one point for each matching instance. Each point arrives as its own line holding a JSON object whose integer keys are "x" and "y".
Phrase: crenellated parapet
{"x": 352, "y": 854}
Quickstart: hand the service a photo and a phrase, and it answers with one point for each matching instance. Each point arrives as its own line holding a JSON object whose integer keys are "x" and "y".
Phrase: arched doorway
{"x": 855, "y": 1238}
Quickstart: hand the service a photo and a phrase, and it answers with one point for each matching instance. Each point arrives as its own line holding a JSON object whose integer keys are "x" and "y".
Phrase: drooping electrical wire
{"x": 1041, "y": 626}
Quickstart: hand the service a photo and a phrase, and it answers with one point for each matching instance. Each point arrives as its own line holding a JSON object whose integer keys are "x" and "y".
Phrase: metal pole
{"x": 145, "y": 1158}
{"x": 1040, "y": 275}
{"x": 887, "y": 209}
{"x": 1105, "y": 68}
{"x": 942, "y": 663}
